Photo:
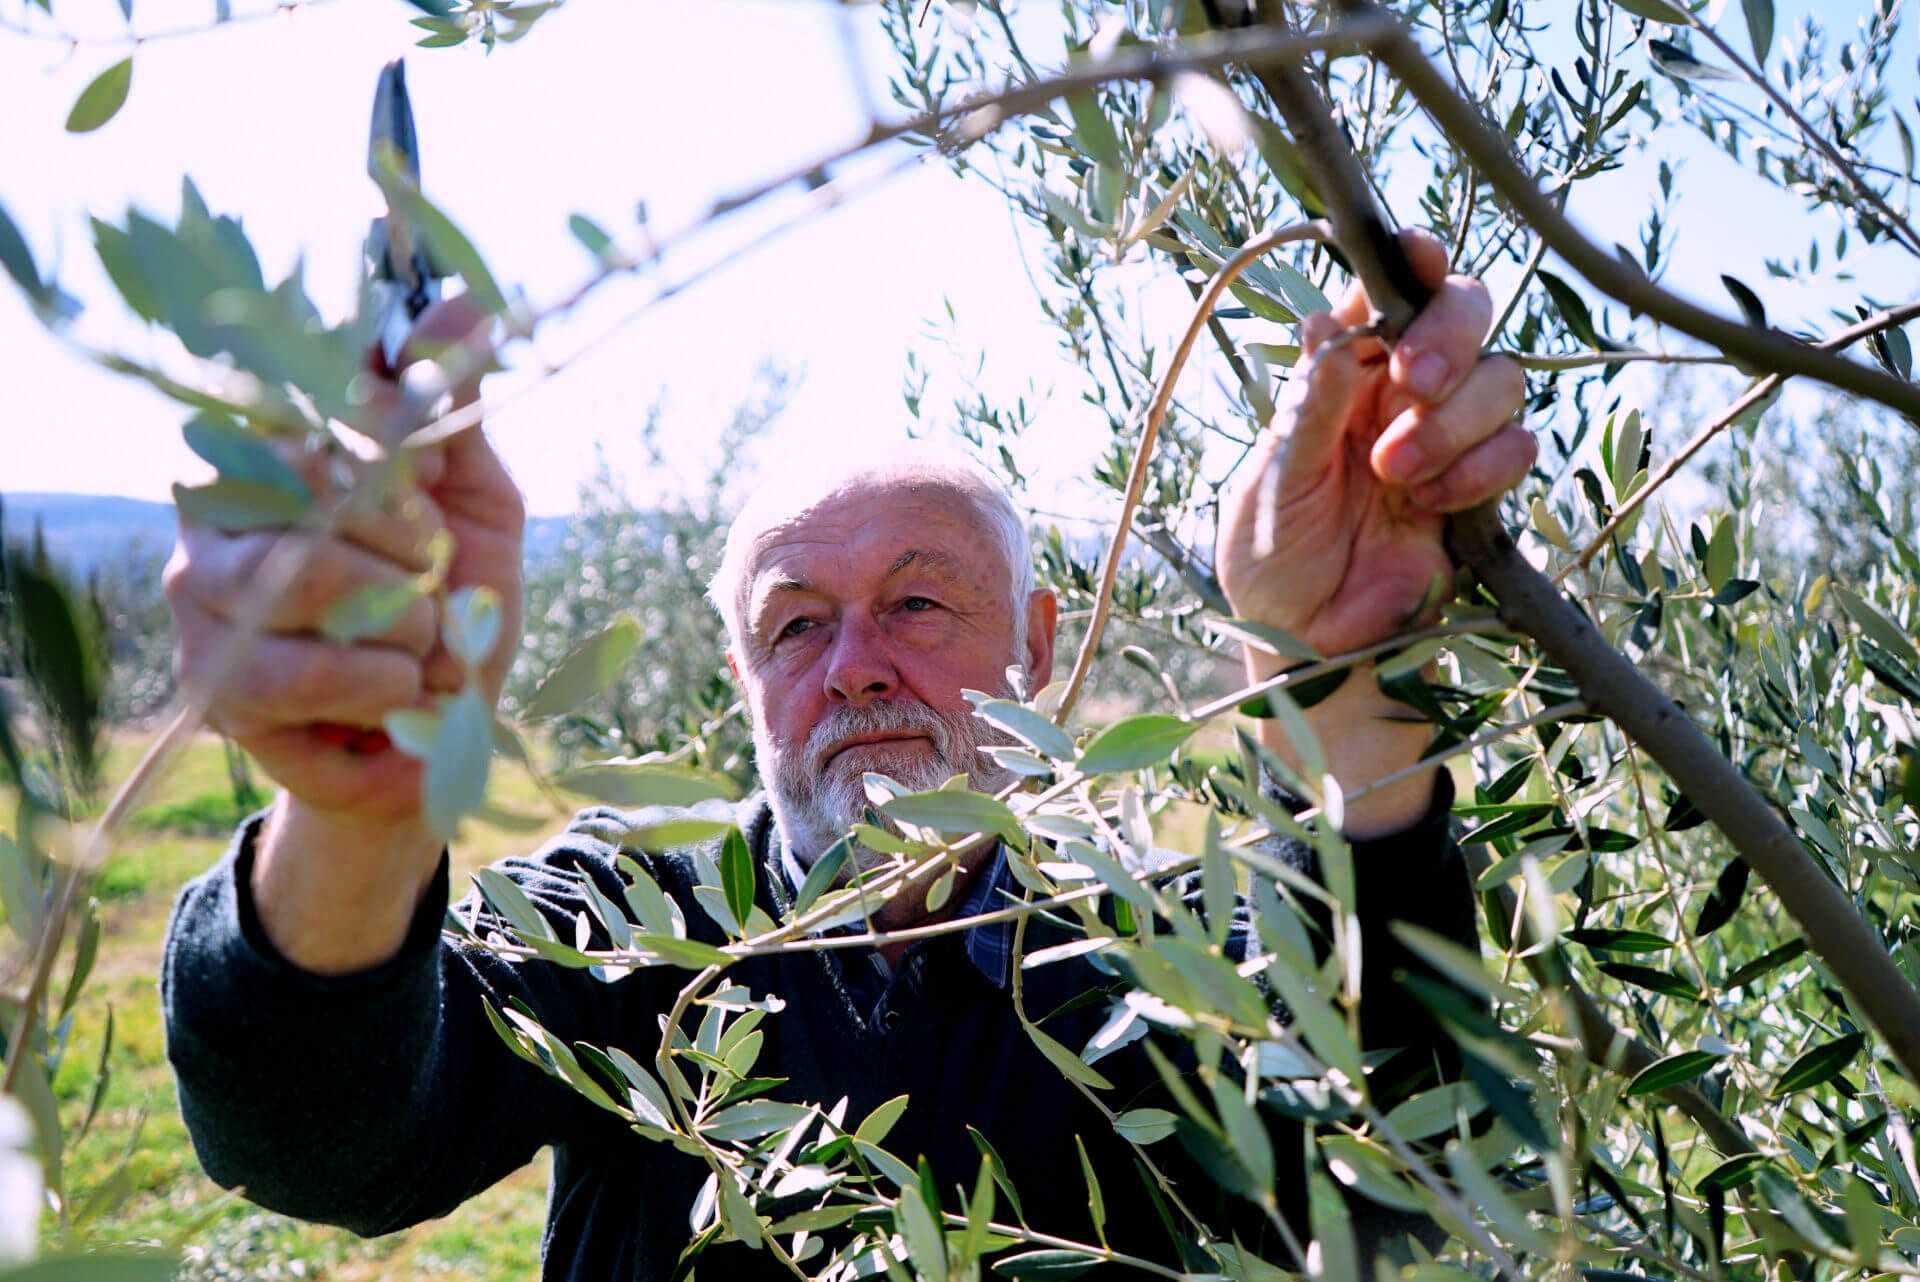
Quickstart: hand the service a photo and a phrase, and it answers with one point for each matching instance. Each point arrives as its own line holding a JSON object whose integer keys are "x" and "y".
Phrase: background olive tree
{"x": 1666, "y": 1072}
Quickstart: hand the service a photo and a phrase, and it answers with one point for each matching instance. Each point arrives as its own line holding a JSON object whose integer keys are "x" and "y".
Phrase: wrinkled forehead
{"x": 864, "y": 523}
{"x": 863, "y": 516}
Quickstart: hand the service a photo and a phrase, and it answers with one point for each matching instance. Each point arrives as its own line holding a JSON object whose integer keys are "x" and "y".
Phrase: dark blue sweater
{"x": 384, "y": 1098}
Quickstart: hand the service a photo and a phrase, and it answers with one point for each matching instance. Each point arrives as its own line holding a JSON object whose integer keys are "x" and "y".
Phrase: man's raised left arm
{"x": 1335, "y": 533}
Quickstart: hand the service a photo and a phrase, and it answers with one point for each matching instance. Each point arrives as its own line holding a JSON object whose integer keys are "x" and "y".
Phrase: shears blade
{"x": 404, "y": 280}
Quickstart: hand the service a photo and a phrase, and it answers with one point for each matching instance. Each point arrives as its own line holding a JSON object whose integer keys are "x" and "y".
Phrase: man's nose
{"x": 859, "y": 670}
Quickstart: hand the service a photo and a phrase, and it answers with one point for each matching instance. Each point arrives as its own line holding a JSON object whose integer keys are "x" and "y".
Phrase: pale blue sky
{"x": 609, "y": 102}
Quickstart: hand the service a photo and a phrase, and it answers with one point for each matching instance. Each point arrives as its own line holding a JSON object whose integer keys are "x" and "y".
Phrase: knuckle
{"x": 1509, "y": 380}
{"x": 417, "y": 629}
{"x": 316, "y": 677}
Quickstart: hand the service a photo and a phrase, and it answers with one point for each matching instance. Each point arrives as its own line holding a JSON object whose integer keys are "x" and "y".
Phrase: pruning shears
{"x": 405, "y": 281}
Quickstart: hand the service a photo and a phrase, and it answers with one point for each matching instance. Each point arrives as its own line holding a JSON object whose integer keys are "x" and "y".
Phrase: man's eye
{"x": 916, "y": 604}
{"x": 794, "y": 628}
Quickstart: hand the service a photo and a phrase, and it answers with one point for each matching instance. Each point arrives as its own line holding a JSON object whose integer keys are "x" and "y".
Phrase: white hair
{"x": 786, "y": 494}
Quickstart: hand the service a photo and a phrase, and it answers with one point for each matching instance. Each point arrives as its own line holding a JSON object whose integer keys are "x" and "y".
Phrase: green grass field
{"x": 179, "y": 831}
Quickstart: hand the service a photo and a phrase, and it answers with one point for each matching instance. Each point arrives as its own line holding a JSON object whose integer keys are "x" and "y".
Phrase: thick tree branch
{"x": 1461, "y": 121}
{"x": 1607, "y": 681}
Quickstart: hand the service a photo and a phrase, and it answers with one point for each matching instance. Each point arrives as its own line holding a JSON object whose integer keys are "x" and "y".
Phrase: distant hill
{"x": 86, "y": 531}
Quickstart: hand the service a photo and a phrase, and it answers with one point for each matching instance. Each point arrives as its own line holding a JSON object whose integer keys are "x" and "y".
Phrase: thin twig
{"x": 76, "y": 40}
{"x": 1819, "y": 140}
{"x": 1754, "y": 395}
{"x": 1150, "y": 433}
{"x": 1768, "y": 349}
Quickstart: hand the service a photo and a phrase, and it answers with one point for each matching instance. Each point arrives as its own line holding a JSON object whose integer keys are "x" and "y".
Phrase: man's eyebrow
{"x": 785, "y": 583}
{"x": 938, "y": 562}
{"x": 769, "y": 588}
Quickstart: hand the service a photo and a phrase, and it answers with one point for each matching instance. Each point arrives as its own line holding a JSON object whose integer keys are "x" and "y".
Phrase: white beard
{"x": 814, "y": 806}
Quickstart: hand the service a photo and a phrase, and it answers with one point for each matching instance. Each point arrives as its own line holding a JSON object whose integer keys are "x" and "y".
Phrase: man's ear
{"x": 733, "y": 665}
{"x": 1043, "y": 613}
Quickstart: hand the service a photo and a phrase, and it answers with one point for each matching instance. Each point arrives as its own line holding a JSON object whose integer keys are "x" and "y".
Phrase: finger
{"x": 1441, "y": 346}
{"x": 442, "y": 673}
{"x": 219, "y": 573}
{"x": 1315, "y": 406}
{"x": 475, "y": 483}
{"x": 401, "y": 530}
{"x": 456, "y": 333}
{"x": 1425, "y": 440}
{"x": 1484, "y": 472}
{"x": 1316, "y": 328}
{"x": 1426, "y": 255}
{"x": 379, "y": 508}
{"x": 267, "y": 682}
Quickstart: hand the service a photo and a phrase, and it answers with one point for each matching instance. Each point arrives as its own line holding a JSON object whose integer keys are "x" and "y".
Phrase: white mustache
{"x": 889, "y": 716}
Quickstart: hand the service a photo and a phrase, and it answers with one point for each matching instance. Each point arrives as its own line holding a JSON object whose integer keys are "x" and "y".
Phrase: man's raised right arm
{"x": 345, "y": 854}
{"x": 332, "y": 1054}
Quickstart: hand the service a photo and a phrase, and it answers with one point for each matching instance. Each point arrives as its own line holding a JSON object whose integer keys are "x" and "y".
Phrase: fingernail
{"x": 1427, "y": 375}
{"x": 1405, "y": 462}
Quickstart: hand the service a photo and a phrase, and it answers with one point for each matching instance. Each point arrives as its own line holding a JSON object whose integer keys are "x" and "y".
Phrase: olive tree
{"x": 1671, "y": 1065}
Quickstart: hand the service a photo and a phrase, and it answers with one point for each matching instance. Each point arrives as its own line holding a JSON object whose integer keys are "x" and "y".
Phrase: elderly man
{"x": 331, "y": 1048}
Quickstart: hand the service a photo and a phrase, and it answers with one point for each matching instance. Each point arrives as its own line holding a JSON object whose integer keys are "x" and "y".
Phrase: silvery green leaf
{"x": 689, "y": 954}
{"x": 644, "y": 1086}
{"x": 1028, "y": 726}
{"x": 1324, "y": 1030}
{"x": 1337, "y": 1258}
{"x": 457, "y": 764}
{"x": 1300, "y": 735}
{"x": 506, "y": 898}
{"x": 712, "y": 819}
{"x": 1020, "y": 761}
{"x": 1889, "y": 635}
{"x": 1144, "y": 1125}
{"x": 952, "y": 812}
{"x": 472, "y": 625}
{"x": 1679, "y": 62}
{"x": 1066, "y": 1061}
{"x": 369, "y": 611}
{"x": 237, "y": 506}
{"x": 240, "y": 455}
{"x": 753, "y": 1119}
{"x": 446, "y": 243}
{"x": 1460, "y": 964}
{"x": 586, "y": 672}
{"x": 102, "y": 99}
{"x": 1434, "y": 1111}
{"x": 1655, "y": 10}
{"x": 821, "y": 875}
{"x": 17, "y": 258}
{"x": 1135, "y": 742}
{"x": 20, "y": 894}
{"x": 1760, "y": 27}
{"x": 656, "y": 911}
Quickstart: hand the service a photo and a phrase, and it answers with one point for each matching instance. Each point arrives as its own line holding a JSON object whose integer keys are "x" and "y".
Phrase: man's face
{"x": 866, "y": 615}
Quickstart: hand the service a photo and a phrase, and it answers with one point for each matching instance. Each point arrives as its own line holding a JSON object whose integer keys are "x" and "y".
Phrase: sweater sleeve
{"x": 377, "y": 1099}
{"x": 1419, "y": 876}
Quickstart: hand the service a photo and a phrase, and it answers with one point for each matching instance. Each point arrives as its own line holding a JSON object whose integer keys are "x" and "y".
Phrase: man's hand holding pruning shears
{"x": 308, "y": 708}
